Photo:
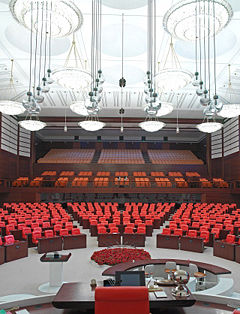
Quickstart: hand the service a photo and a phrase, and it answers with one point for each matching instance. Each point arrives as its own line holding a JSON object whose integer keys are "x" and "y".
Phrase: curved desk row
{"x": 216, "y": 270}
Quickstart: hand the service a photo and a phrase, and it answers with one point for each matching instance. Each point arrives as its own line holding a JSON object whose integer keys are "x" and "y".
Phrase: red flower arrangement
{"x": 119, "y": 255}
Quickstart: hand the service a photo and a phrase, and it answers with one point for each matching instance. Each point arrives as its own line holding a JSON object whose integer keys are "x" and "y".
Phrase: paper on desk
{"x": 160, "y": 294}
{"x": 22, "y": 312}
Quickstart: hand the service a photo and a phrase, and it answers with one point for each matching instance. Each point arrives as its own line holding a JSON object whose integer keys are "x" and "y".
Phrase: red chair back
{"x": 230, "y": 238}
{"x": 76, "y": 231}
{"x": 192, "y": 233}
{"x": 127, "y": 300}
{"x": 48, "y": 233}
{"x": 166, "y": 231}
{"x": 63, "y": 232}
{"x": 9, "y": 239}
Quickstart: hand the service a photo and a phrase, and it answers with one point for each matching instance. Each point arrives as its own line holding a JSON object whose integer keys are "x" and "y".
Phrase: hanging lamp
{"x": 8, "y": 105}
{"x": 230, "y": 109}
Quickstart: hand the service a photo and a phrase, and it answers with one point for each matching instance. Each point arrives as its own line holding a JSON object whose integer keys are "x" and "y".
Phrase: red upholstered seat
{"x": 102, "y": 229}
{"x": 114, "y": 230}
{"x": 205, "y": 235}
{"x": 63, "y": 232}
{"x": 128, "y": 230}
{"x": 76, "y": 231}
{"x": 48, "y": 233}
{"x": 9, "y": 239}
{"x": 230, "y": 238}
{"x": 1, "y": 242}
{"x": 35, "y": 236}
{"x": 192, "y": 233}
{"x": 127, "y": 300}
{"x": 178, "y": 232}
{"x": 166, "y": 231}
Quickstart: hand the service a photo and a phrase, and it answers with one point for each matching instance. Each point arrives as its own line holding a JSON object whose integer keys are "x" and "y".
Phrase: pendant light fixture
{"x": 171, "y": 76}
{"x": 230, "y": 109}
{"x": 92, "y": 122}
{"x": 39, "y": 76}
{"x": 209, "y": 98}
{"x": 179, "y": 19}
{"x": 66, "y": 15}
{"x": 153, "y": 103}
{"x": 8, "y": 105}
{"x": 74, "y": 74}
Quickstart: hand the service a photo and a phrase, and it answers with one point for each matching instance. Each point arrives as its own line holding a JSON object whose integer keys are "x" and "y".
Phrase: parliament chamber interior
{"x": 119, "y": 156}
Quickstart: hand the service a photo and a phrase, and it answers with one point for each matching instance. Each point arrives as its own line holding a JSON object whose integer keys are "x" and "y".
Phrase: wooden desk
{"x": 216, "y": 270}
{"x": 16, "y": 251}
{"x": 78, "y": 295}
{"x": 224, "y": 250}
{"x": 46, "y": 245}
{"x": 167, "y": 241}
{"x": 191, "y": 244}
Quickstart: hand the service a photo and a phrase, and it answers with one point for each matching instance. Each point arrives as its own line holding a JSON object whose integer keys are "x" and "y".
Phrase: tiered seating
{"x": 139, "y": 174}
{"x": 204, "y": 183}
{"x": 22, "y": 181}
{"x": 37, "y": 223}
{"x": 157, "y": 174}
{"x": 121, "y": 174}
{"x": 181, "y": 157}
{"x": 121, "y": 181}
{"x": 181, "y": 183}
{"x": 67, "y": 174}
{"x": 101, "y": 181}
{"x": 134, "y": 223}
{"x": 61, "y": 182}
{"x": 163, "y": 182}
{"x": 204, "y": 221}
{"x": 192, "y": 174}
{"x": 80, "y": 181}
{"x": 49, "y": 173}
{"x": 103, "y": 174}
{"x": 142, "y": 182}
{"x": 175, "y": 174}
{"x": 36, "y": 181}
{"x": 80, "y": 156}
{"x": 85, "y": 173}
{"x": 121, "y": 156}
{"x": 220, "y": 183}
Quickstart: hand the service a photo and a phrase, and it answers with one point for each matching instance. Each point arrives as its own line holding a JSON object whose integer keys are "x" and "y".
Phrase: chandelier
{"x": 165, "y": 109}
{"x": 181, "y": 16}
{"x": 95, "y": 95}
{"x": 209, "y": 126}
{"x": 79, "y": 107}
{"x": 73, "y": 74}
{"x": 230, "y": 109}
{"x": 39, "y": 74}
{"x": 153, "y": 101}
{"x": 32, "y": 123}
{"x": 206, "y": 68}
{"x": 91, "y": 125}
{"x": 172, "y": 77}
{"x": 9, "y": 106}
{"x": 66, "y": 16}
{"x": 152, "y": 125}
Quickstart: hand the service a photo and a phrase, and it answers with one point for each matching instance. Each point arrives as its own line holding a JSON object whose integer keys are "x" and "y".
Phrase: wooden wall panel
{"x": 8, "y": 165}
{"x": 227, "y": 167}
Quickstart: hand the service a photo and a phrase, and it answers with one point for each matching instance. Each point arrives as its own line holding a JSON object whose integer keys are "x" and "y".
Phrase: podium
{"x": 55, "y": 261}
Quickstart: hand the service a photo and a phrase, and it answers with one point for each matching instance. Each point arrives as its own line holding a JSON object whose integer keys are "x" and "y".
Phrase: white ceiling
{"x": 14, "y": 43}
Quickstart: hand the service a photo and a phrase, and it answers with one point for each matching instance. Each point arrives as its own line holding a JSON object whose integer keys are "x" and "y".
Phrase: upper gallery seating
{"x": 22, "y": 181}
{"x": 220, "y": 183}
{"x": 49, "y": 173}
{"x": 157, "y": 174}
{"x": 80, "y": 181}
{"x": 192, "y": 174}
{"x": 36, "y": 181}
{"x": 121, "y": 156}
{"x": 67, "y": 173}
{"x": 85, "y": 173}
{"x": 81, "y": 156}
{"x": 181, "y": 157}
{"x": 163, "y": 182}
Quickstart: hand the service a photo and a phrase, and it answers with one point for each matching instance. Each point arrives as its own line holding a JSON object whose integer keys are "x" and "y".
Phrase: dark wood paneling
{"x": 8, "y": 165}
{"x": 227, "y": 167}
